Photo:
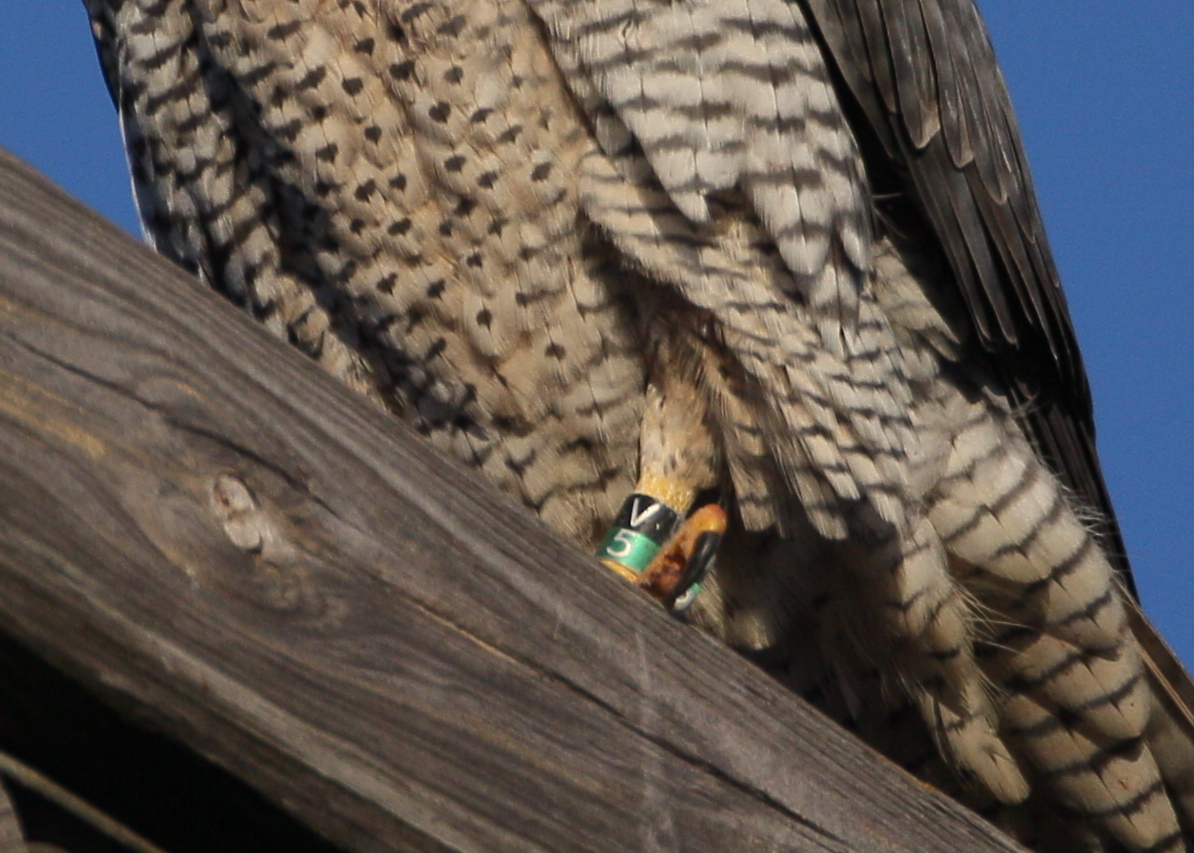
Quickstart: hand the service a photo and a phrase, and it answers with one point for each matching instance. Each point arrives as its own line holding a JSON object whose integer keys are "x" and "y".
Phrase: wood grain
{"x": 198, "y": 523}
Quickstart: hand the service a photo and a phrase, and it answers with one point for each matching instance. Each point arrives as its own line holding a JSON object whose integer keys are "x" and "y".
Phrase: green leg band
{"x": 642, "y": 527}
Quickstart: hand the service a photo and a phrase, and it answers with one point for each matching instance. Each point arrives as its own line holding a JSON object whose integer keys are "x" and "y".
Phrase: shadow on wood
{"x": 151, "y": 783}
{"x": 198, "y": 523}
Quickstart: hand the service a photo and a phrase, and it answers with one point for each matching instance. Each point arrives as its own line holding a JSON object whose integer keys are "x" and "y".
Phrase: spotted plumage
{"x": 781, "y": 254}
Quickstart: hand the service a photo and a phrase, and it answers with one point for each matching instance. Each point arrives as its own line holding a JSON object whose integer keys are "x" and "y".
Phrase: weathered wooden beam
{"x": 198, "y": 522}
{"x": 12, "y": 839}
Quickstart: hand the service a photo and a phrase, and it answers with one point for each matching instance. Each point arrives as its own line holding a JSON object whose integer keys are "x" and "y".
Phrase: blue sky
{"x": 1105, "y": 97}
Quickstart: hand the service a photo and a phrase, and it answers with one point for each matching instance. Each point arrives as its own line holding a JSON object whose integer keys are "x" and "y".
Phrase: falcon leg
{"x": 655, "y": 542}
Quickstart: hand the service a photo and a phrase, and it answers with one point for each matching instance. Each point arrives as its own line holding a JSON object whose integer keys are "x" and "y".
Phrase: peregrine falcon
{"x": 751, "y": 297}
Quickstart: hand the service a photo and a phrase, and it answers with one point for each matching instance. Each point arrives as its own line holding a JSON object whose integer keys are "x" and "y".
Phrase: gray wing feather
{"x": 929, "y": 91}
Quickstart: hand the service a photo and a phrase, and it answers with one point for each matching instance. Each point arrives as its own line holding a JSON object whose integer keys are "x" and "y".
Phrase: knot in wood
{"x": 239, "y": 512}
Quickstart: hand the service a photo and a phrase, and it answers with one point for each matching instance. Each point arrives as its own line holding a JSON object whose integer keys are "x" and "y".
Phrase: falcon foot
{"x": 674, "y": 575}
{"x": 645, "y": 547}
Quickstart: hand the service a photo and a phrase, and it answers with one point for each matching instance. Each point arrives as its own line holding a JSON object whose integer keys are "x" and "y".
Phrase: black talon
{"x": 694, "y": 571}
